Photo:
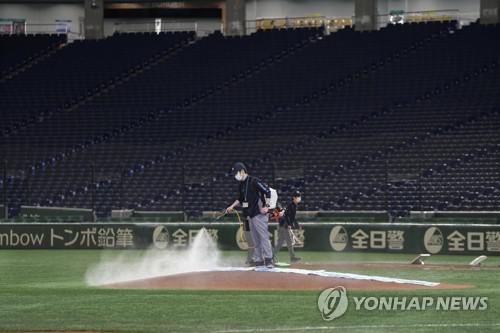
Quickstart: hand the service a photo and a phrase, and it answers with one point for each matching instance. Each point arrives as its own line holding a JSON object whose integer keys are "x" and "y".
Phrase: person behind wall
{"x": 287, "y": 222}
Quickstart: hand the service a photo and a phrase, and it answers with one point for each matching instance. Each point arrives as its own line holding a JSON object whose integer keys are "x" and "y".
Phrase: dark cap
{"x": 238, "y": 167}
{"x": 296, "y": 194}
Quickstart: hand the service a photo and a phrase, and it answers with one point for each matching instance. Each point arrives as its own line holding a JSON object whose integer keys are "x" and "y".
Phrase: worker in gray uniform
{"x": 254, "y": 197}
{"x": 251, "y": 260}
{"x": 287, "y": 222}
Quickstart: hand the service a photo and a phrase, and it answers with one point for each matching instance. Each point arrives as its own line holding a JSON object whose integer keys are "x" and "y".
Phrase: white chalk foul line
{"x": 324, "y": 328}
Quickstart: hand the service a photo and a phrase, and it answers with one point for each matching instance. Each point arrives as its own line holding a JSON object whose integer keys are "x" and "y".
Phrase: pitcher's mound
{"x": 255, "y": 280}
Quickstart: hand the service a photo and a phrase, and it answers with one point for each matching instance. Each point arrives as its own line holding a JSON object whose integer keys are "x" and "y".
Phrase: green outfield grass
{"x": 45, "y": 290}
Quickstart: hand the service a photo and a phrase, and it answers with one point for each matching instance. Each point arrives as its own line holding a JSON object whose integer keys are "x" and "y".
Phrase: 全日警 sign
{"x": 336, "y": 237}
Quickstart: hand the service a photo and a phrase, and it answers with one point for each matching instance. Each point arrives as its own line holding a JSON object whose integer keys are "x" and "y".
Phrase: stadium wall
{"x": 473, "y": 239}
{"x": 255, "y": 9}
{"x": 203, "y": 25}
{"x": 345, "y": 8}
{"x": 465, "y": 6}
{"x": 45, "y": 14}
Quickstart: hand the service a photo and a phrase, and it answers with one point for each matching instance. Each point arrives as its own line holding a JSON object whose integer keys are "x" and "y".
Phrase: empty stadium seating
{"x": 401, "y": 119}
{"x": 20, "y": 50}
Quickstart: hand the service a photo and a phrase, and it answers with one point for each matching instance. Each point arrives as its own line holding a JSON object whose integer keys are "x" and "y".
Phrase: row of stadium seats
{"x": 392, "y": 129}
{"x": 393, "y": 119}
{"x": 19, "y": 50}
{"x": 99, "y": 115}
{"x": 77, "y": 71}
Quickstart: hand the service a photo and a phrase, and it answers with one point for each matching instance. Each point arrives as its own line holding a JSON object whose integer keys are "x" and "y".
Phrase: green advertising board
{"x": 337, "y": 237}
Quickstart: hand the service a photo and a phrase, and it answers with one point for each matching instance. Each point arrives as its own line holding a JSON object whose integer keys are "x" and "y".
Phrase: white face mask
{"x": 239, "y": 177}
{"x": 298, "y": 200}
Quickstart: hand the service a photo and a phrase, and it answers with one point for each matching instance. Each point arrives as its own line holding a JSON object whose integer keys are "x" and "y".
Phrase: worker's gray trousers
{"x": 284, "y": 235}
{"x": 260, "y": 235}
{"x": 251, "y": 247}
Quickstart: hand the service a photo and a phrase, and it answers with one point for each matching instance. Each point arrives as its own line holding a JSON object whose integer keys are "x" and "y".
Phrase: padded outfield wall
{"x": 472, "y": 239}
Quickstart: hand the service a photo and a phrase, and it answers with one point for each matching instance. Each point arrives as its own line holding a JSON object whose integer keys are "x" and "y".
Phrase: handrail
{"x": 150, "y": 26}
{"x": 289, "y": 18}
{"x": 328, "y": 23}
{"x": 425, "y": 11}
{"x": 332, "y": 23}
{"x": 46, "y": 28}
{"x": 429, "y": 16}
{"x": 50, "y": 28}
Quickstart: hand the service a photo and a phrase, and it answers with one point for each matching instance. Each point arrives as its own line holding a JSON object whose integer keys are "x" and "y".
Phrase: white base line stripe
{"x": 313, "y": 328}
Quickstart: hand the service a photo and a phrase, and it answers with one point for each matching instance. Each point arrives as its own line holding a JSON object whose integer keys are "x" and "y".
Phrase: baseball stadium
{"x": 249, "y": 166}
